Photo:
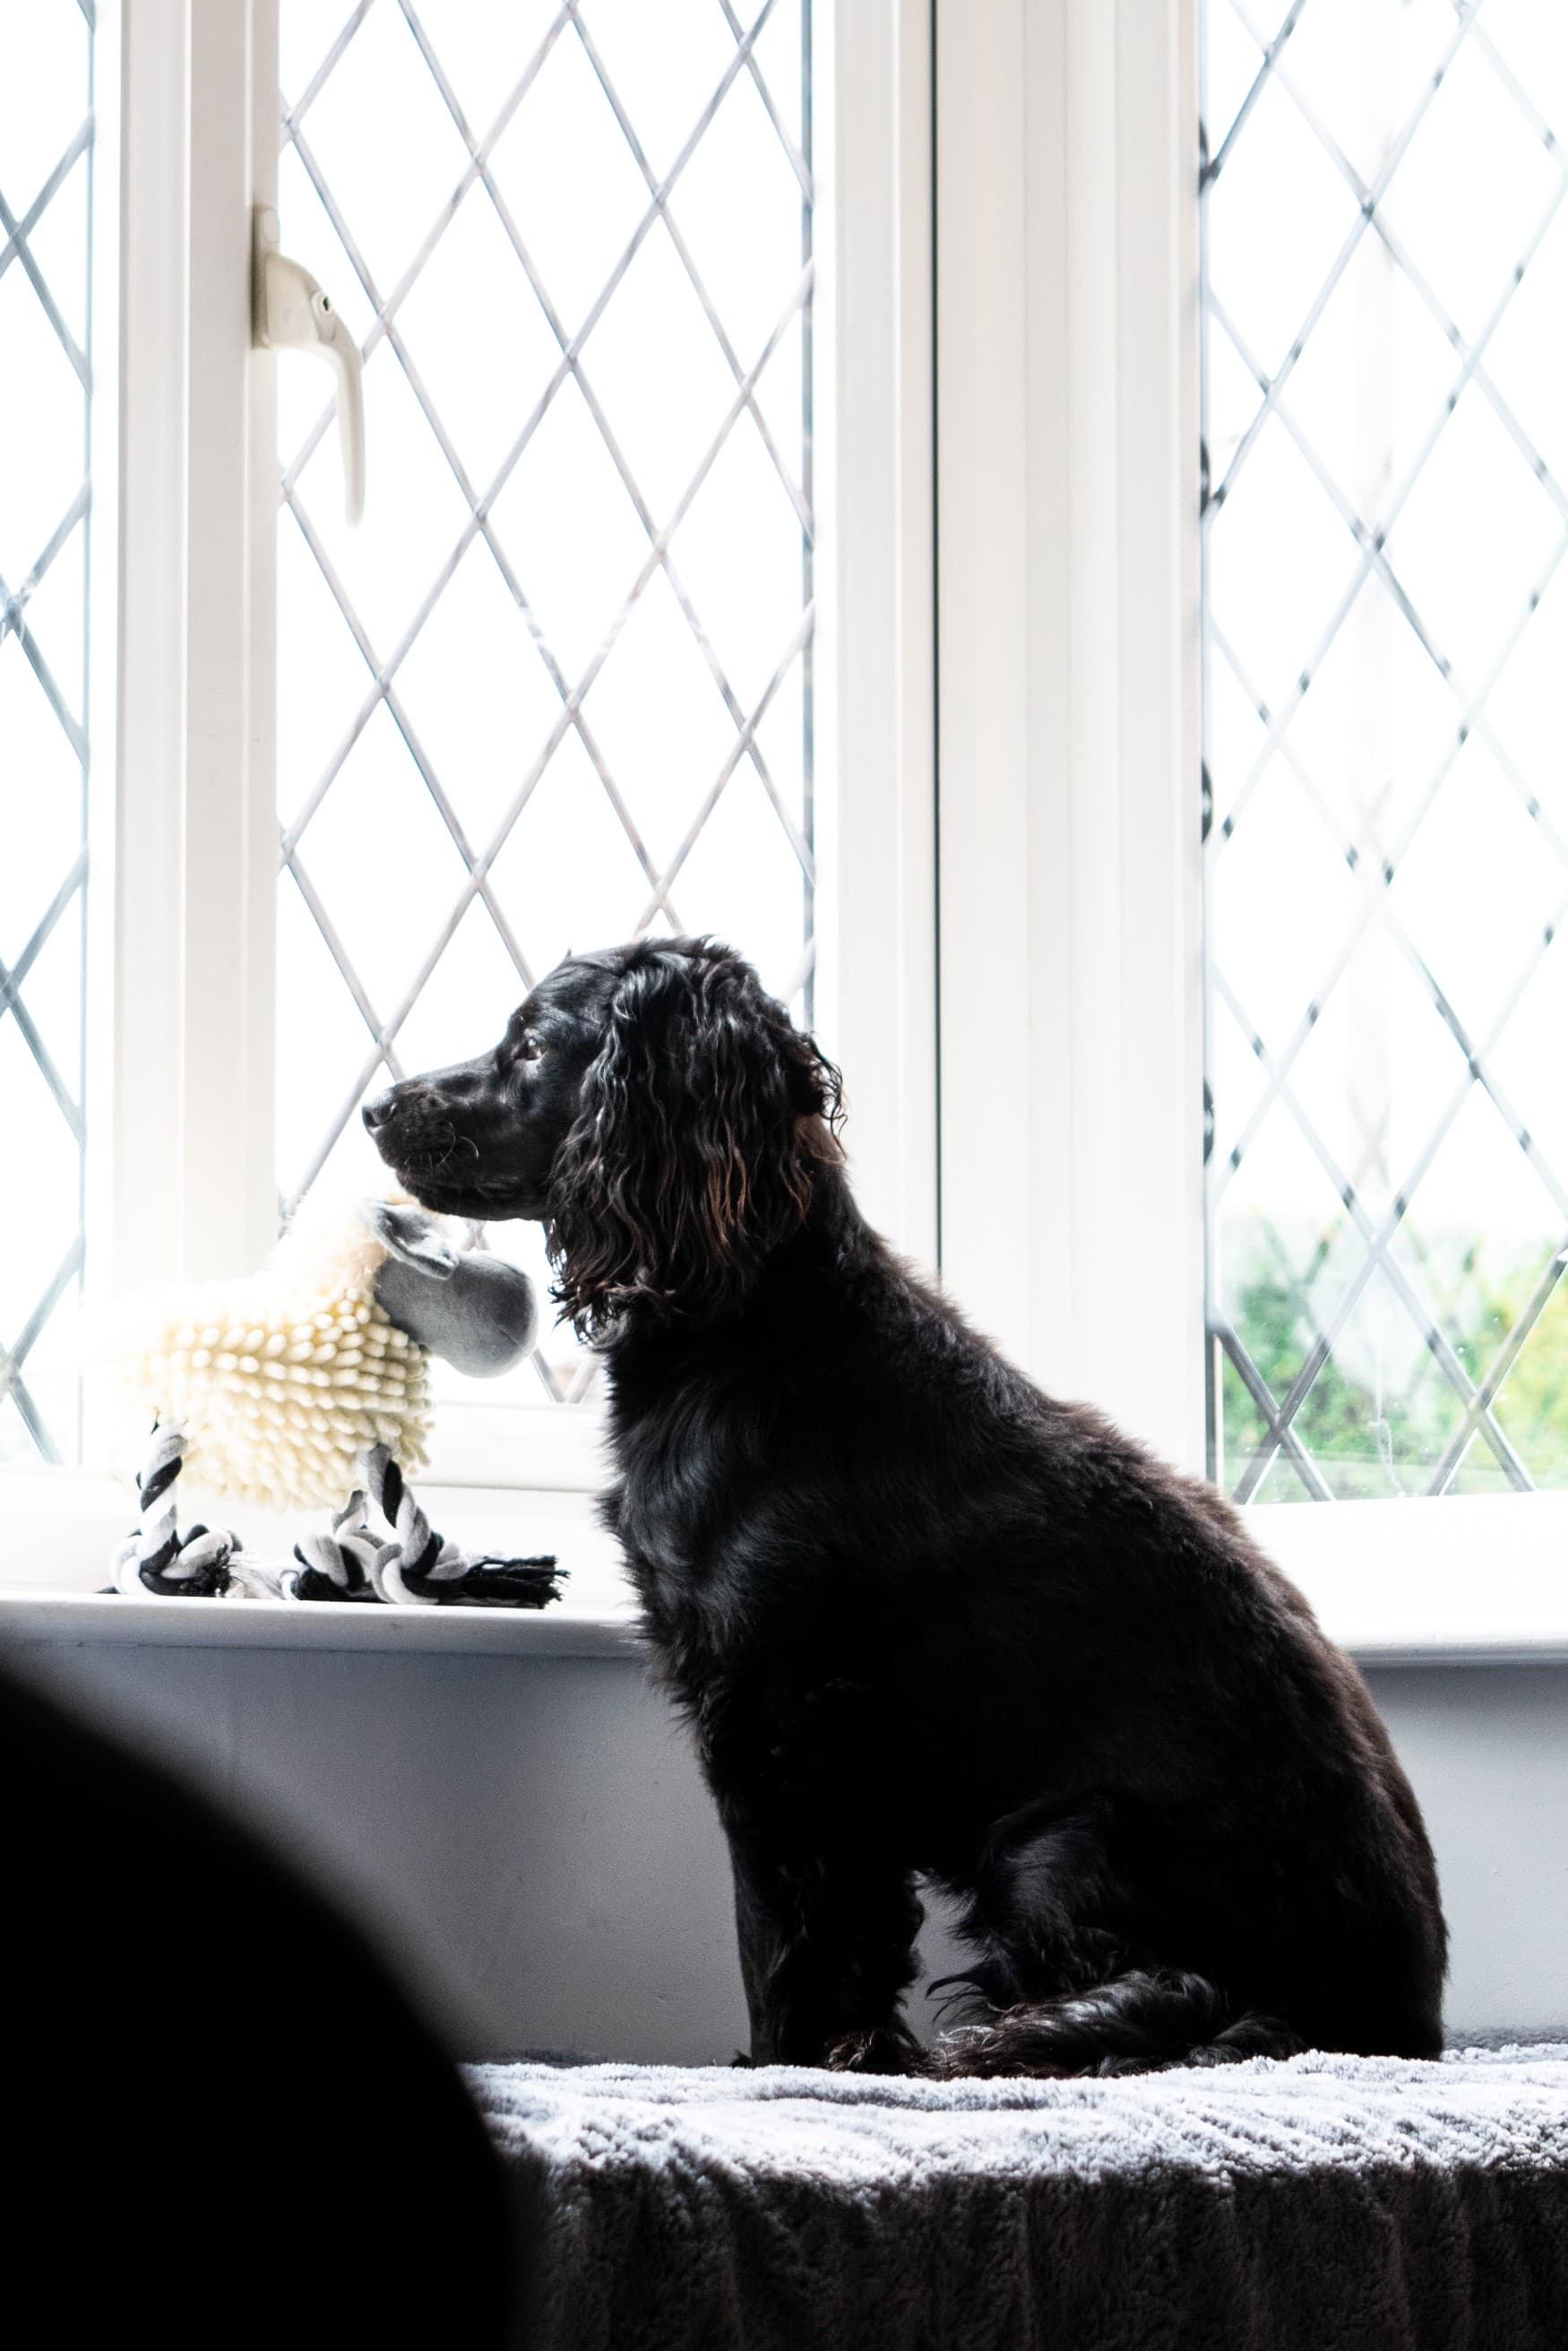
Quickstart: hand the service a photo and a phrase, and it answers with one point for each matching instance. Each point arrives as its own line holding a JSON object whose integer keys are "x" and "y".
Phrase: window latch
{"x": 290, "y": 313}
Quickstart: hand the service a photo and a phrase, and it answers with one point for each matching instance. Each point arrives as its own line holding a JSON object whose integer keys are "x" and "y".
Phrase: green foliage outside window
{"x": 1369, "y": 1445}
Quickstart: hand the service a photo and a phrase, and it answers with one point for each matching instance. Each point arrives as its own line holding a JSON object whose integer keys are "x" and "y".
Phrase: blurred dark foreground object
{"x": 223, "y": 2123}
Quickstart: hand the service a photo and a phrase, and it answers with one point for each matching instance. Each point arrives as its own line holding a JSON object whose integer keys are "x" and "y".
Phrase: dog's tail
{"x": 1138, "y": 2022}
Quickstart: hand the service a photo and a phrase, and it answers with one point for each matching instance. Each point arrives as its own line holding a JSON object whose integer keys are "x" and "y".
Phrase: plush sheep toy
{"x": 306, "y": 1383}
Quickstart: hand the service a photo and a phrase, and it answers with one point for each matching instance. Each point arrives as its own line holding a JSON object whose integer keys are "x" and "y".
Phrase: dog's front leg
{"x": 827, "y": 1950}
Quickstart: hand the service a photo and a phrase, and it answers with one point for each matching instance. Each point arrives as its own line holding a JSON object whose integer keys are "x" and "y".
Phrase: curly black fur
{"x": 925, "y": 1620}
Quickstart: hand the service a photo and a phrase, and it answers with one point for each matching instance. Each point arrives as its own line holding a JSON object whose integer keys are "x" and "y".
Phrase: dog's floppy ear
{"x": 702, "y": 1119}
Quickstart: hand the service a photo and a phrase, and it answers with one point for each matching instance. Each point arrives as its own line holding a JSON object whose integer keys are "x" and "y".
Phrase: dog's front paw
{"x": 881, "y": 2049}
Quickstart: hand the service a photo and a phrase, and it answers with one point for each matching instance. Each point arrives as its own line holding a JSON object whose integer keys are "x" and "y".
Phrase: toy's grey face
{"x": 472, "y": 1310}
{"x": 479, "y": 1139}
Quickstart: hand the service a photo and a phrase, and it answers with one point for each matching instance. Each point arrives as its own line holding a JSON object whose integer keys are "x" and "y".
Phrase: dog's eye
{"x": 530, "y": 1045}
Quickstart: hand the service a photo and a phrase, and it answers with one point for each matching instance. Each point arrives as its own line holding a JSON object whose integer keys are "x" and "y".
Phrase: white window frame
{"x": 186, "y": 813}
{"x": 1031, "y": 830}
{"x": 1067, "y": 596}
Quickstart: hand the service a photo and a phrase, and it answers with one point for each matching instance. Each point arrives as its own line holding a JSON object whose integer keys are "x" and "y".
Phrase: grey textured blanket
{"x": 1355, "y": 2204}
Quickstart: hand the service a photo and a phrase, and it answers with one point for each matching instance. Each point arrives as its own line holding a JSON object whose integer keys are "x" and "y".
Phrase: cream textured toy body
{"x": 279, "y": 1381}
{"x": 309, "y": 1383}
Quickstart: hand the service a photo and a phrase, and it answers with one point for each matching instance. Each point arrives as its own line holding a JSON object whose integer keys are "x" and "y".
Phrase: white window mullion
{"x": 877, "y": 625}
{"x": 1071, "y": 1075}
{"x": 195, "y": 828}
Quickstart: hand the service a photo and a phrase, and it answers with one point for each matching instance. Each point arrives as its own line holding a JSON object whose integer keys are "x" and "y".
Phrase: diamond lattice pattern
{"x": 557, "y": 690}
{"x": 46, "y": 379}
{"x": 1386, "y": 767}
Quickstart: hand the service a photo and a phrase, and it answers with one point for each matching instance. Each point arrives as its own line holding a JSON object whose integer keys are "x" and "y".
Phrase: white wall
{"x": 1487, "y": 1750}
{"x": 537, "y": 1851}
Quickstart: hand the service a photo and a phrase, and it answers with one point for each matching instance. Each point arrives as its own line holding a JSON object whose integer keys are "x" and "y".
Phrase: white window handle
{"x": 290, "y": 313}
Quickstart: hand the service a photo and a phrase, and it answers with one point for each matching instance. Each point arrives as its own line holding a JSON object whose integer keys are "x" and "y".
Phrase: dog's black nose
{"x": 377, "y": 1113}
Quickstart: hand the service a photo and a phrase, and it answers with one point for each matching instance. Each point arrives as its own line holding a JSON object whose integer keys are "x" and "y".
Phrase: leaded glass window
{"x": 558, "y": 688}
{"x": 46, "y": 415}
{"x": 1385, "y": 281}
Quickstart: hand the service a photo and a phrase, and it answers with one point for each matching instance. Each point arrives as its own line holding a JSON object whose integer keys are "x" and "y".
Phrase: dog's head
{"x": 652, "y": 1106}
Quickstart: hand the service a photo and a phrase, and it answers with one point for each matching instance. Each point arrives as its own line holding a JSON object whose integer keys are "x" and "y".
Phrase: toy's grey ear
{"x": 475, "y": 1310}
{"x": 412, "y": 1237}
{"x": 481, "y": 1319}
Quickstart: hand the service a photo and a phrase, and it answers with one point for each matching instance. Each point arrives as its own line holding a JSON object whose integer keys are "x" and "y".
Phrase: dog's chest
{"x": 679, "y": 1509}
{"x": 675, "y": 1563}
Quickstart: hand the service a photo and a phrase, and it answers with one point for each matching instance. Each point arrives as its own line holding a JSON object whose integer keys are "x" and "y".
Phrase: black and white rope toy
{"x": 203, "y": 1561}
{"x": 414, "y": 1564}
{"x": 308, "y": 1383}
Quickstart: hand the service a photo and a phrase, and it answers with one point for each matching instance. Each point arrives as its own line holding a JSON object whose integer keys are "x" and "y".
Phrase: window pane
{"x": 46, "y": 376}
{"x": 1385, "y": 774}
{"x": 556, "y": 691}
{"x": 1386, "y": 785}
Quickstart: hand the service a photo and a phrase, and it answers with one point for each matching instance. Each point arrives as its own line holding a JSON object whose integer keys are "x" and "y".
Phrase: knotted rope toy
{"x": 308, "y": 1383}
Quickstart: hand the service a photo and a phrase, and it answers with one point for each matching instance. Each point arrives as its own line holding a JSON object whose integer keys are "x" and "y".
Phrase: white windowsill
{"x": 1478, "y": 1581}
{"x": 33, "y": 1615}
{"x": 58, "y": 1531}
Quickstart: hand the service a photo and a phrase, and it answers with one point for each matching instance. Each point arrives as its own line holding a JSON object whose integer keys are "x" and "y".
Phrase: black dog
{"x": 923, "y": 1618}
